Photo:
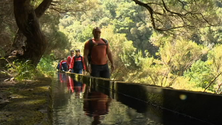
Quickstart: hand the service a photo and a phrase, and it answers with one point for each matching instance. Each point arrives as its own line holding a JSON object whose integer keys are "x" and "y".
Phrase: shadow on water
{"x": 95, "y": 102}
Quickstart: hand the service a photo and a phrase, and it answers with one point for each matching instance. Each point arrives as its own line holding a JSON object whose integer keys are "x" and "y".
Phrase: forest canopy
{"x": 173, "y": 43}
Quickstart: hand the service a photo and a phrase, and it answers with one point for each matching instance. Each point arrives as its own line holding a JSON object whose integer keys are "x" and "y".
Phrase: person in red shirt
{"x": 63, "y": 65}
{"x": 99, "y": 50}
{"x": 77, "y": 63}
{"x": 69, "y": 58}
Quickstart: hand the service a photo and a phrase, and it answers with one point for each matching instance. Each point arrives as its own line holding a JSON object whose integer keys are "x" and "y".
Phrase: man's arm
{"x": 69, "y": 60}
{"x": 86, "y": 53}
{"x": 83, "y": 62}
{"x": 72, "y": 63}
{"x": 110, "y": 58}
{"x": 60, "y": 65}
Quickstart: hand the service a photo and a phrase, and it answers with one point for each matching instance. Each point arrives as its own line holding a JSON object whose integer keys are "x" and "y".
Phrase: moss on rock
{"x": 28, "y": 103}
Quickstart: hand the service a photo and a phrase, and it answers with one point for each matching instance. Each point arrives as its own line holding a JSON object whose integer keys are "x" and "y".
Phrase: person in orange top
{"x": 98, "y": 49}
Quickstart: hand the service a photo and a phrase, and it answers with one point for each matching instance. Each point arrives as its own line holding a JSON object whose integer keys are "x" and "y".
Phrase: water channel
{"x": 77, "y": 103}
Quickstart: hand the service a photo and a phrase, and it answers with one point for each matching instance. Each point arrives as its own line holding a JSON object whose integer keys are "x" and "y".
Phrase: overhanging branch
{"x": 160, "y": 10}
{"x": 40, "y": 10}
{"x": 150, "y": 9}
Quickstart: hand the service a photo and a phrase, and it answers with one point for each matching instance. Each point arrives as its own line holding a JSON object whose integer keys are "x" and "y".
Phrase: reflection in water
{"x": 95, "y": 104}
{"x": 75, "y": 103}
{"x": 62, "y": 77}
{"x": 76, "y": 87}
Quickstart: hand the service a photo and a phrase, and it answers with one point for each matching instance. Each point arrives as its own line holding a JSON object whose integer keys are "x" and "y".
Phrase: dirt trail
{"x": 25, "y": 103}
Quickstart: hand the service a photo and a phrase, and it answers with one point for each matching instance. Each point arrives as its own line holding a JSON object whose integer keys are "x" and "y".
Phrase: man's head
{"x": 77, "y": 52}
{"x": 96, "y": 32}
{"x": 72, "y": 52}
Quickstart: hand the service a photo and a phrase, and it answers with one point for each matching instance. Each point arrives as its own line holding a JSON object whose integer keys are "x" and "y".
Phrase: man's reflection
{"x": 76, "y": 87}
{"x": 95, "y": 104}
{"x": 62, "y": 77}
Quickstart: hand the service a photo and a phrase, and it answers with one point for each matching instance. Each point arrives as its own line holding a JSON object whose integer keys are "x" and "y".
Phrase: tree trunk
{"x": 29, "y": 30}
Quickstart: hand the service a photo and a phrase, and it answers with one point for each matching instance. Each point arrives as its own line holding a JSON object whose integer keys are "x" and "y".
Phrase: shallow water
{"x": 76, "y": 103}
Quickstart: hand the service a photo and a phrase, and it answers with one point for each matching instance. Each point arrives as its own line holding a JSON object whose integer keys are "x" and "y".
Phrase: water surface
{"x": 76, "y": 103}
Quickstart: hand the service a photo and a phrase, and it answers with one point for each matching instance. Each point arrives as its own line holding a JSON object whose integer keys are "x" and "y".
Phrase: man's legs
{"x": 95, "y": 70}
{"x": 78, "y": 71}
{"x": 105, "y": 71}
{"x": 100, "y": 71}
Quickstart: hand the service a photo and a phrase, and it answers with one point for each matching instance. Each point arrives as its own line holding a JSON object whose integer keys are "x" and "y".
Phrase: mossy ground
{"x": 25, "y": 103}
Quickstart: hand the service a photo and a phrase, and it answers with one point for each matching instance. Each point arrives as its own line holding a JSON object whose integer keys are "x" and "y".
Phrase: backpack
{"x": 91, "y": 44}
{"x": 65, "y": 66}
{"x": 58, "y": 66}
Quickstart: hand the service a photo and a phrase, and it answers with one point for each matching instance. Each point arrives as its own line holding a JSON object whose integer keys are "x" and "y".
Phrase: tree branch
{"x": 212, "y": 81}
{"x": 40, "y": 10}
{"x": 174, "y": 19}
{"x": 150, "y": 11}
{"x": 166, "y": 8}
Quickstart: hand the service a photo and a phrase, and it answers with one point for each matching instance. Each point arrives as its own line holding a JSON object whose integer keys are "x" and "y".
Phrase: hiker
{"x": 69, "y": 58}
{"x": 96, "y": 51}
{"x": 77, "y": 63}
{"x": 63, "y": 65}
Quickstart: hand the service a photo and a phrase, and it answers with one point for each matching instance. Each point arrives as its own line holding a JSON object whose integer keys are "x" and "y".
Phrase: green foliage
{"x": 200, "y": 74}
{"x": 214, "y": 60}
{"x": 131, "y": 20}
{"x": 180, "y": 54}
{"x": 26, "y": 71}
{"x": 47, "y": 66}
{"x": 58, "y": 42}
{"x": 129, "y": 56}
{"x": 22, "y": 70}
{"x": 210, "y": 36}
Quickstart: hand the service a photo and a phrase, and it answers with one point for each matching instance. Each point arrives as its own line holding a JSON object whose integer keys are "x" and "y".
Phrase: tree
{"x": 30, "y": 38}
{"x": 132, "y": 20}
{"x": 27, "y": 21}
